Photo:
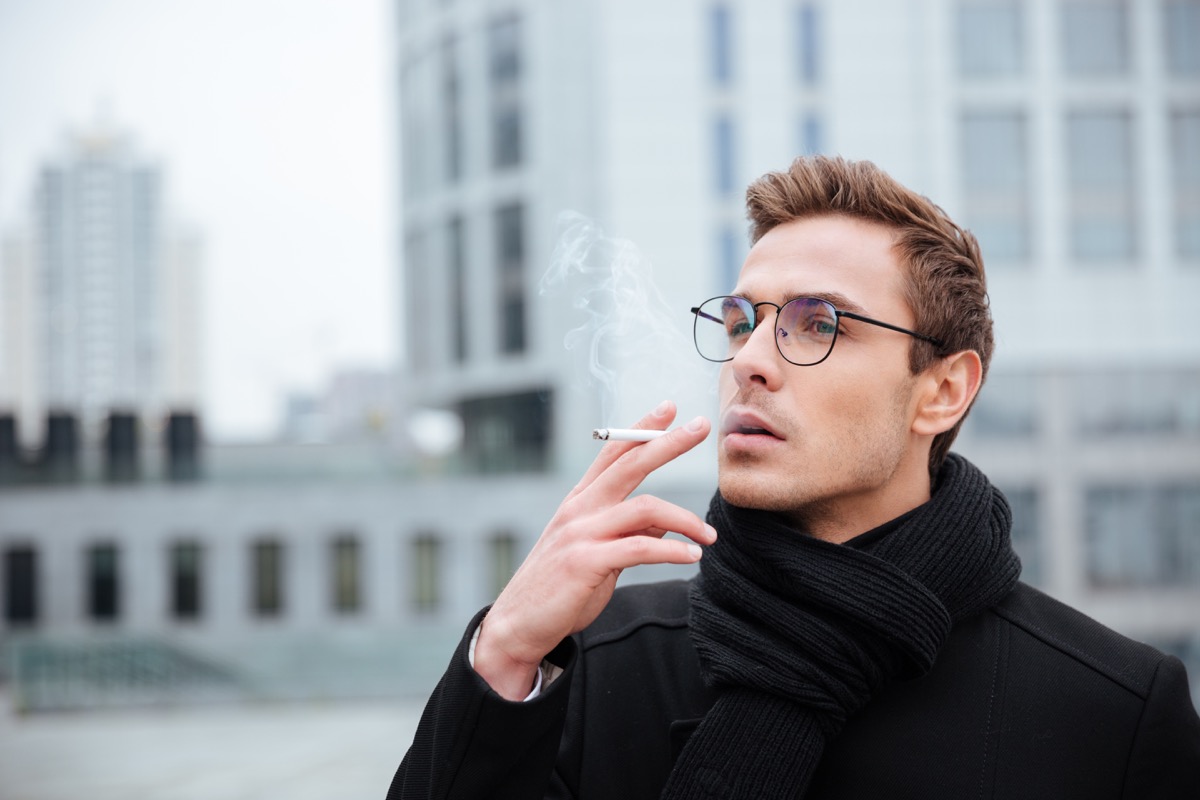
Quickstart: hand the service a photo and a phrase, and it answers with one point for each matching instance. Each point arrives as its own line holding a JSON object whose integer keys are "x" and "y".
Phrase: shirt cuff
{"x": 547, "y": 673}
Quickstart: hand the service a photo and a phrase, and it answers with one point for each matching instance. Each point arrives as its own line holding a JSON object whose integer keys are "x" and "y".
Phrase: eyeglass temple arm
{"x": 891, "y": 327}
{"x": 700, "y": 313}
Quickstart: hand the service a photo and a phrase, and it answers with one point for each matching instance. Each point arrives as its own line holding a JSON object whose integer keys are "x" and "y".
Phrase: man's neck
{"x": 851, "y": 517}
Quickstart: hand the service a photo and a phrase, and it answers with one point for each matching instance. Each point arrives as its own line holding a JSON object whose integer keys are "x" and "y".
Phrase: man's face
{"x": 830, "y": 445}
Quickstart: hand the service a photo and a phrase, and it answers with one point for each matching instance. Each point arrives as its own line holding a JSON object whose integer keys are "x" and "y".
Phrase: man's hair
{"x": 944, "y": 281}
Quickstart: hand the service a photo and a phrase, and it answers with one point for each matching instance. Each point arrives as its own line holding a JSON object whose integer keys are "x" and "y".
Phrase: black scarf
{"x": 797, "y": 633}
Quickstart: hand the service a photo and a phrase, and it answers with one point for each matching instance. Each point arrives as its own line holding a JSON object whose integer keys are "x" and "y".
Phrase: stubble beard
{"x": 862, "y": 459}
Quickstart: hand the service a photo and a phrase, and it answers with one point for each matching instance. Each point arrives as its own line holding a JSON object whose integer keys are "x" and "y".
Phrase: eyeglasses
{"x": 805, "y": 328}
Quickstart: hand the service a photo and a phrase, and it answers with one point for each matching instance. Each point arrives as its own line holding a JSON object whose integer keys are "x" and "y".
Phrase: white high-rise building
{"x": 20, "y": 389}
{"x": 112, "y": 321}
{"x": 1065, "y": 133}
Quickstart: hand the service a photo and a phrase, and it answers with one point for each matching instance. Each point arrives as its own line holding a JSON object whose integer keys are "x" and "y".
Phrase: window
{"x": 991, "y": 41}
{"x": 20, "y": 585}
{"x": 1100, "y": 174}
{"x": 1185, "y": 155}
{"x": 1181, "y": 24}
{"x": 414, "y": 133}
{"x": 504, "y": 49}
{"x": 723, "y": 151}
{"x": 417, "y": 322}
{"x": 451, "y": 100}
{"x": 1139, "y": 401}
{"x": 427, "y": 564}
{"x": 1007, "y": 406}
{"x": 510, "y": 255}
{"x": 1027, "y": 533}
{"x": 186, "y": 581}
{"x": 507, "y": 433}
{"x": 995, "y": 170}
{"x": 812, "y": 135}
{"x": 346, "y": 587}
{"x": 503, "y": 547}
{"x": 267, "y": 558}
{"x": 721, "y": 35}
{"x": 103, "y": 582}
{"x": 1095, "y": 37}
{"x": 730, "y": 250}
{"x": 456, "y": 243}
{"x": 1143, "y": 536}
{"x": 808, "y": 43}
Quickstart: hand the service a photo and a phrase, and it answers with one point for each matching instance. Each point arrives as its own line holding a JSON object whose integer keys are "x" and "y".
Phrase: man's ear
{"x": 947, "y": 389}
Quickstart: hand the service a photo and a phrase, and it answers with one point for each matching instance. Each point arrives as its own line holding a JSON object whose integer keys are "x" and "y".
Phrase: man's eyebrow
{"x": 838, "y": 301}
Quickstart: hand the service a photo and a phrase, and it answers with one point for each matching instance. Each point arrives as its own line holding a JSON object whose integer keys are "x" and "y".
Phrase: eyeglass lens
{"x": 805, "y": 328}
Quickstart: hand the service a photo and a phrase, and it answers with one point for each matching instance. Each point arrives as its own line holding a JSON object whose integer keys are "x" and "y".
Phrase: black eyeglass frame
{"x": 837, "y": 315}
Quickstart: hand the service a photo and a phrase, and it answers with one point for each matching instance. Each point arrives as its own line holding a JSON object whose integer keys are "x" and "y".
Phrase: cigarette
{"x": 626, "y": 434}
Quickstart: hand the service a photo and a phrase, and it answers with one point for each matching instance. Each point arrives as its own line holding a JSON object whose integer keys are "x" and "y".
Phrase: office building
{"x": 1066, "y": 134}
{"x": 108, "y": 317}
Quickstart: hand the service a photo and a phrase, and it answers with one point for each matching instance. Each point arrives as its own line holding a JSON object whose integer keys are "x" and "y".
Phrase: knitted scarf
{"x": 797, "y": 634}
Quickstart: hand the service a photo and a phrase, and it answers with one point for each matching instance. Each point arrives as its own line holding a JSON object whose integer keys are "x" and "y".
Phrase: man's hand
{"x": 598, "y": 531}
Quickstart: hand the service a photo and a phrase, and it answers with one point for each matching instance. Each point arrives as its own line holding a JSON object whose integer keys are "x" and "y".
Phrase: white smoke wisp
{"x": 639, "y": 348}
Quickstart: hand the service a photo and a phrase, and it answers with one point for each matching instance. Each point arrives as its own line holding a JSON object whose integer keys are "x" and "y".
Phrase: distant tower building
{"x": 113, "y": 322}
{"x": 20, "y": 389}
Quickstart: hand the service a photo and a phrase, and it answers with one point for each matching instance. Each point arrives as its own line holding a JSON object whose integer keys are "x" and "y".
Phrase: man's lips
{"x": 747, "y": 423}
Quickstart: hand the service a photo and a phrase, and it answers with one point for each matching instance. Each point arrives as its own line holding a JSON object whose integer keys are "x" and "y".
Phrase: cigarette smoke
{"x": 639, "y": 348}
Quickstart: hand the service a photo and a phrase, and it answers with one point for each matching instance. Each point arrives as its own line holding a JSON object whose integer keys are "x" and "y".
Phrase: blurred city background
{"x": 308, "y": 309}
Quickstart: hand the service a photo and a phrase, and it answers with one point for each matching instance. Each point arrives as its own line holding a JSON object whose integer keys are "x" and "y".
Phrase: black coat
{"x": 1028, "y": 700}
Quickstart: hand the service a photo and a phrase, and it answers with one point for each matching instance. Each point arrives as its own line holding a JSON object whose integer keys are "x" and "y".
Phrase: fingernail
{"x": 712, "y": 532}
{"x": 696, "y": 424}
{"x": 663, "y": 408}
{"x": 695, "y": 552}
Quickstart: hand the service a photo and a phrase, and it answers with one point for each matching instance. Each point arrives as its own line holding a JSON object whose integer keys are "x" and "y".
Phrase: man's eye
{"x": 738, "y": 329}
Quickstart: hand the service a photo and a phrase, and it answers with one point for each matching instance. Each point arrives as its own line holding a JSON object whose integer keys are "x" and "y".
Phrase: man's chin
{"x": 750, "y": 491}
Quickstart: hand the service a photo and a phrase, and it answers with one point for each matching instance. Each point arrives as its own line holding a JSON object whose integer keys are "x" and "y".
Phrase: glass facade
{"x": 507, "y": 432}
{"x": 450, "y": 98}
{"x": 1185, "y": 179}
{"x": 20, "y": 585}
{"x": 346, "y": 564}
{"x": 503, "y": 560}
{"x": 1007, "y": 406}
{"x": 724, "y": 157}
{"x": 1096, "y": 37}
{"x": 1181, "y": 31}
{"x": 1102, "y": 193}
{"x": 267, "y": 589}
{"x": 1143, "y": 536}
{"x": 991, "y": 38}
{"x": 426, "y": 580}
{"x": 808, "y": 44}
{"x": 456, "y": 263}
{"x": 720, "y": 23}
{"x": 186, "y": 580}
{"x": 103, "y": 582}
{"x": 1027, "y": 536}
{"x": 1140, "y": 401}
{"x": 996, "y": 183}
{"x": 510, "y": 258}
{"x": 504, "y": 81}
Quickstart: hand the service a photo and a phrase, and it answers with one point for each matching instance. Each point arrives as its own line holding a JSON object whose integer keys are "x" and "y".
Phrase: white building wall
{"x": 622, "y": 103}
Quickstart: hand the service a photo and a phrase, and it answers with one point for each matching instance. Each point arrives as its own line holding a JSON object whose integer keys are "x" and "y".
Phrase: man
{"x": 857, "y": 628}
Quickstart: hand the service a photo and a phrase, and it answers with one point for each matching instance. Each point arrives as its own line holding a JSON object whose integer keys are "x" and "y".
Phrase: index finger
{"x": 625, "y": 473}
{"x": 656, "y": 420}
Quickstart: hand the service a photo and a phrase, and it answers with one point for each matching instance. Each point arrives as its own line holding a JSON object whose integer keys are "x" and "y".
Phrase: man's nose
{"x": 759, "y": 360}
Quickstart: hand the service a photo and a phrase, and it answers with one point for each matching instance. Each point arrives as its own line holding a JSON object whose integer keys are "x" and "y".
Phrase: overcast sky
{"x": 274, "y": 121}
